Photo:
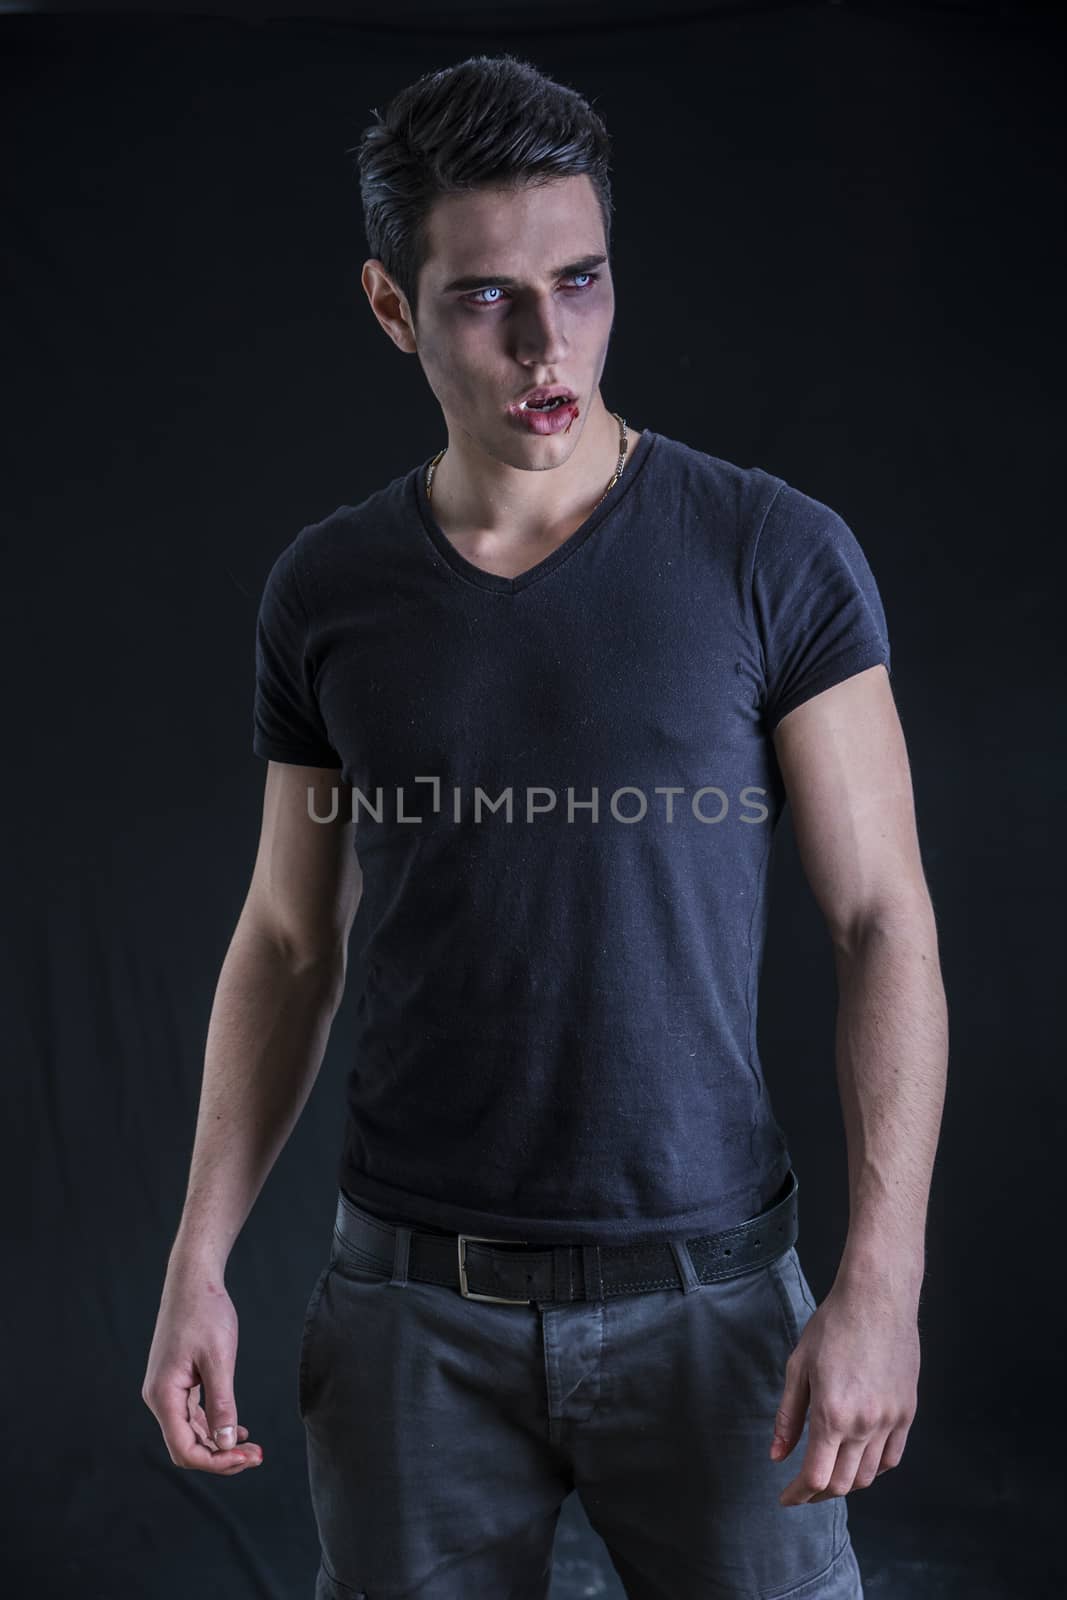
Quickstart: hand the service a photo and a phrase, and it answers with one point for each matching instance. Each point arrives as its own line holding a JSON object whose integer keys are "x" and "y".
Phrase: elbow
{"x": 906, "y": 916}
{"x": 321, "y": 966}
{"x": 318, "y": 963}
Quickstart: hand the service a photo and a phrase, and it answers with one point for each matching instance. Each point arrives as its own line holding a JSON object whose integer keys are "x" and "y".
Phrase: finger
{"x": 207, "y": 1456}
{"x": 894, "y": 1448}
{"x": 198, "y": 1422}
{"x": 871, "y": 1463}
{"x": 199, "y": 1425}
{"x": 220, "y": 1406}
{"x": 789, "y": 1418}
{"x": 820, "y": 1459}
{"x": 197, "y": 1419}
{"x": 843, "y": 1474}
{"x": 242, "y": 1438}
{"x": 171, "y": 1407}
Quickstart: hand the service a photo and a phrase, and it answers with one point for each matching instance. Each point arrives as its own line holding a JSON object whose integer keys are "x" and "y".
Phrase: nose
{"x": 539, "y": 336}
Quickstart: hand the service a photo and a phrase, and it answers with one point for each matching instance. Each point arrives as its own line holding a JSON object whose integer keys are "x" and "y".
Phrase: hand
{"x": 857, "y": 1365}
{"x": 196, "y": 1343}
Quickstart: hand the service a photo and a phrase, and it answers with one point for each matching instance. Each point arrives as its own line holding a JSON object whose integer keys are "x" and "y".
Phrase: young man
{"x": 534, "y": 708}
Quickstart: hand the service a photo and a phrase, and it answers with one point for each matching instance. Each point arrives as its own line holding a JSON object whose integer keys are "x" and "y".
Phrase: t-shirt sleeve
{"x": 818, "y": 611}
{"x": 286, "y": 722}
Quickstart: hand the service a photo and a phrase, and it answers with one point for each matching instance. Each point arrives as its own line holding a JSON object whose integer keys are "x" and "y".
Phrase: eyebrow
{"x": 494, "y": 280}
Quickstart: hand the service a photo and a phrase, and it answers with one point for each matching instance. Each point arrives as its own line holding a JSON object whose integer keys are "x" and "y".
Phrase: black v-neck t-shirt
{"x": 565, "y": 796}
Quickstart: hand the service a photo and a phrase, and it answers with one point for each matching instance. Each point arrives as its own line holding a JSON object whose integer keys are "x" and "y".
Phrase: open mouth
{"x": 549, "y": 405}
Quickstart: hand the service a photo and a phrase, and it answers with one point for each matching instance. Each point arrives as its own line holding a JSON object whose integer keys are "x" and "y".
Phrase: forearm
{"x": 892, "y": 1062}
{"x": 267, "y": 1035}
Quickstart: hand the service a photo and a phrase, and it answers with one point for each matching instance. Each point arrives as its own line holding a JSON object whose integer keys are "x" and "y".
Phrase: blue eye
{"x": 472, "y": 299}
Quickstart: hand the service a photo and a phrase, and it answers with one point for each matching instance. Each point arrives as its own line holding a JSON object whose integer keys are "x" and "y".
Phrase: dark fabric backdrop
{"x": 838, "y": 256}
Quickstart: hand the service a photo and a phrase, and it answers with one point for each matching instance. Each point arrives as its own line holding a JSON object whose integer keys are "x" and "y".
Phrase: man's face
{"x": 484, "y": 344}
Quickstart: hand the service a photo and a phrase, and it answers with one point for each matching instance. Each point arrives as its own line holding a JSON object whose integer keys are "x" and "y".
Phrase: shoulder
{"x": 346, "y": 521}
{"x": 798, "y": 530}
{"x": 744, "y": 492}
{"x": 351, "y": 537}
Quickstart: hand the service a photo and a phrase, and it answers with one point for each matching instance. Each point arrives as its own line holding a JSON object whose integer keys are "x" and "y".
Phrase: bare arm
{"x": 856, "y": 1364}
{"x": 845, "y": 766}
{"x": 278, "y": 990}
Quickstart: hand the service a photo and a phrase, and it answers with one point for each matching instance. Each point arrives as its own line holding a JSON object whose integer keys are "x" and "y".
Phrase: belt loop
{"x": 684, "y": 1262}
{"x": 594, "y": 1277}
{"x": 401, "y": 1256}
{"x": 558, "y": 1253}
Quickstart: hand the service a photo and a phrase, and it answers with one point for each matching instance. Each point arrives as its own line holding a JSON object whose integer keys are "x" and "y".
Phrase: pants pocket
{"x": 805, "y": 1286}
{"x": 794, "y": 1293}
{"x": 348, "y": 1271}
{"x": 307, "y": 1337}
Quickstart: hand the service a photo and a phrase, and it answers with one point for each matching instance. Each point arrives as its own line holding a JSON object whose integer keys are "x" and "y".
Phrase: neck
{"x": 474, "y": 491}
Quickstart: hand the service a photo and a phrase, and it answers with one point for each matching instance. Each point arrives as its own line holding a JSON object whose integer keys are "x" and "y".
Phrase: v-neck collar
{"x": 495, "y": 581}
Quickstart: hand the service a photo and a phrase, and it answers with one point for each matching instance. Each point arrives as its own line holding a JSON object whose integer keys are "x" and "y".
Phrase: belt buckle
{"x": 468, "y": 1294}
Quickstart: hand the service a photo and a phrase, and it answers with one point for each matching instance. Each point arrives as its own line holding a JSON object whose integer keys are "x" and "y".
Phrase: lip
{"x": 544, "y": 422}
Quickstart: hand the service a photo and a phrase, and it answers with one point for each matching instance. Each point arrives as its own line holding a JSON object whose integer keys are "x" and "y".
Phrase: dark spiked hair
{"x": 489, "y": 121}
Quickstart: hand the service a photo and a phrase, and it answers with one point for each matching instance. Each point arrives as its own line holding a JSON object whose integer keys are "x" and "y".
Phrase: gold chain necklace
{"x": 614, "y": 477}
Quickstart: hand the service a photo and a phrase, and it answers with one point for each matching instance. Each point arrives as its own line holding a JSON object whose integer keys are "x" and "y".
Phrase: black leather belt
{"x": 524, "y": 1276}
